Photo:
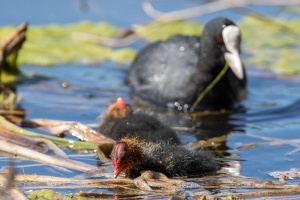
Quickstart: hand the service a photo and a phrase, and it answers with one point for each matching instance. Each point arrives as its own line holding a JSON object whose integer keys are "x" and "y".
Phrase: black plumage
{"x": 143, "y": 126}
{"x": 175, "y": 72}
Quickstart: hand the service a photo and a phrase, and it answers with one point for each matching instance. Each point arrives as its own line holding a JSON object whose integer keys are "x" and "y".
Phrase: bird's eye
{"x": 123, "y": 157}
{"x": 219, "y": 40}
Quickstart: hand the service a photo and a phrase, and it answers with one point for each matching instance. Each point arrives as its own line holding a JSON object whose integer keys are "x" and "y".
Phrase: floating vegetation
{"x": 76, "y": 145}
{"x": 162, "y": 31}
{"x": 42, "y": 194}
{"x": 274, "y": 46}
{"x": 53, "y": 44}
{"x": 87, "y": 186}
{"x": 10, "y": 44}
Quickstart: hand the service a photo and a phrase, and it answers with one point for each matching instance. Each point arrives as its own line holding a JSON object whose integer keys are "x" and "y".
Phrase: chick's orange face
{"x": 119, "y": 109}
{"x": 119, "y": 157}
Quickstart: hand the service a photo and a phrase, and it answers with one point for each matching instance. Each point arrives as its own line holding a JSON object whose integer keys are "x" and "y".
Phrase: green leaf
{"x": 162, "y": 31}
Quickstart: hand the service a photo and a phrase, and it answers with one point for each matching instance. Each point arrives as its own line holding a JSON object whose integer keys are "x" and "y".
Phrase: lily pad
{"x": 269, "y": 44}
{"x": 53, "y": 44}
{"x": 272, "y": 45}
{"x": 162, "y": 31}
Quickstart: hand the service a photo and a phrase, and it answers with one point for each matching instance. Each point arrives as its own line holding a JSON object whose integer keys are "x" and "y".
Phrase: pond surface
{"x": 272, "y": 109}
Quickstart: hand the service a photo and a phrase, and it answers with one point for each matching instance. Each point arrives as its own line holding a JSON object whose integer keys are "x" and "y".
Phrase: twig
{"x": 13, "y": 42}
{"x": 77, "y": 129}
{"x": 295, "y": 190}
{"x": 17, "y": 151}
{"x": 59, "y": 141}
{"x": 271, "y": 23}
{"x": 19, "y": 139}
{"x": 209, "y": 8}
{"x": 276, "y": 141}
{"x": 56, "y": 150}
{"x": 8, "y": 186}
{"x": 81, "y": 131}
{"x": 161, "y": 18}
{"x": 16, "y": 193}
{"x": 110, "y": 42}
{"x": 191, "y": 12}
{"x": 38, "y": 178}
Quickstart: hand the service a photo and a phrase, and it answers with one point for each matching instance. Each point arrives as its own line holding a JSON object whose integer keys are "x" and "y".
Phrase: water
{"x": 90, "y": 90}
{"x": 272, "y": 109}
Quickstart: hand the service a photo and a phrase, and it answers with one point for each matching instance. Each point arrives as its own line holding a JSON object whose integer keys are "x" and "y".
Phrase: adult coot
{"x": 133, "y": 156}
{"x": 175, "y": 72}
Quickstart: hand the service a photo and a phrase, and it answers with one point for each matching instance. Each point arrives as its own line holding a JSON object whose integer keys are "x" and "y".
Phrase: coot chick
{"x": 175, "y": 72}
{"x": 132, "y": 156}
{"x": 119, "y": 121}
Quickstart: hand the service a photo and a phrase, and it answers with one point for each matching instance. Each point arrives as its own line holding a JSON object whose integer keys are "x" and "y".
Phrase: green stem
{"x": 209, "y": 87}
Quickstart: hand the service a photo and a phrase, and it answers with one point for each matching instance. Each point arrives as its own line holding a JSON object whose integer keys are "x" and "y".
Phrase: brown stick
{"x": 290, "y": 191}
{"x": 43, "y": 158}
{"x": 14, "y": 41}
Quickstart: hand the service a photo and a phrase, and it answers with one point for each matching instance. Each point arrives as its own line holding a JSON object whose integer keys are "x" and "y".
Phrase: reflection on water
{"x": 278, "y": 113}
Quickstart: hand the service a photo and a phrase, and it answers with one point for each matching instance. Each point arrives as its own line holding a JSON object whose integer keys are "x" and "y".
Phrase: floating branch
{"x": 72, "y": 144}
{"x": 13, "y": 42}
{"x": 19, "y": 151}
{"x": 209, "y": 8}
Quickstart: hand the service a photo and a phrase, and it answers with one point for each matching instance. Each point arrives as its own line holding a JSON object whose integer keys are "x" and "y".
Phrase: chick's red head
{"x": 119, "y": 109}
{"x": 119, "y": 158}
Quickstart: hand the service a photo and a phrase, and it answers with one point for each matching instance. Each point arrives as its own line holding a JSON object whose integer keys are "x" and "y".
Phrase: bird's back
{"x": 176, "y": 160}
{"x": 145, "y": 127}
{"x": 162, "y": 70}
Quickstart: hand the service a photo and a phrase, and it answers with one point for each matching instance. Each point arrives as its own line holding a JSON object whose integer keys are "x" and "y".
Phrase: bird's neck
{"x": 211, "y": 54}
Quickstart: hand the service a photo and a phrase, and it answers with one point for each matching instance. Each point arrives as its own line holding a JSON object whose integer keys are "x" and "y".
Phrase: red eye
{"x": 219, "y": 40}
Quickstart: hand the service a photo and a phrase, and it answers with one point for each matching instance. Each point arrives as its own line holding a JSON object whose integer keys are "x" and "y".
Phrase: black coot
{"x": 175, "y": 72}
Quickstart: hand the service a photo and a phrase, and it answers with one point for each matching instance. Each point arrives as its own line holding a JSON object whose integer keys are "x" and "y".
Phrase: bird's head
{"x": 126, "y": 155}
{"x": 119, "y": 109}
{"x": 224, "y": 35}
{"x": 119, "y": 157}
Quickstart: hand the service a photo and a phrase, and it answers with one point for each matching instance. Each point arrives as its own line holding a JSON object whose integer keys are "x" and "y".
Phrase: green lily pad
{"x": 162, "y": 31}
{"x": 47, "y": 194}
{"x": 42, "y": 194}
{"x": 54, "y": 44}
{"x": 270, "y": 45}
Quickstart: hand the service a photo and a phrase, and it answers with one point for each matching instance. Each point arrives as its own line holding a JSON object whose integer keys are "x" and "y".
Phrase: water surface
{"x": 271, "y": 110}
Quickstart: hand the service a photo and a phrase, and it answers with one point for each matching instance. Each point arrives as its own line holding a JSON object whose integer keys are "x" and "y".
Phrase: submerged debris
{"x": 291, "y": 174}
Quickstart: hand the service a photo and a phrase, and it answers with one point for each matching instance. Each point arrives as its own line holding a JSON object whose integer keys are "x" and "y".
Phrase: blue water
{"x": 272, "y": 110}
{"x": 119, "y": 13}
